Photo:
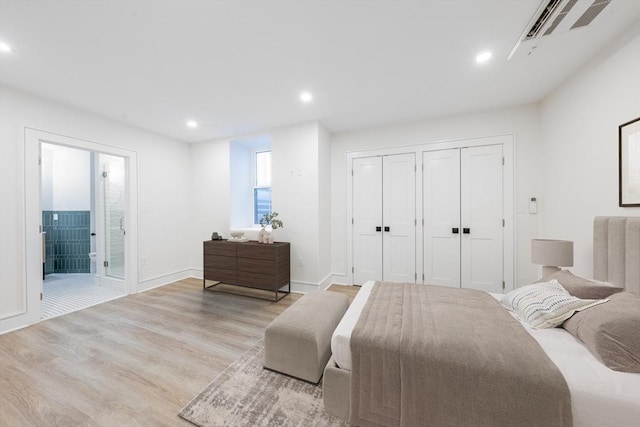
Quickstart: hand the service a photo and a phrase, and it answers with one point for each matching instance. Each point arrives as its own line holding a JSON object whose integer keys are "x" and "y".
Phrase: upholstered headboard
{"x": 616, "y": 251}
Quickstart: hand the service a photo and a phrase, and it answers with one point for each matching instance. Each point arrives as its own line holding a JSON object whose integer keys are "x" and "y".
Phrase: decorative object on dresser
{"x": 551, "y": 254}
{"x": 269, "y": 222}
{"x": 629, "y": 163}
{"x": 248, "y": 264}
{"x": 238, "y": 237}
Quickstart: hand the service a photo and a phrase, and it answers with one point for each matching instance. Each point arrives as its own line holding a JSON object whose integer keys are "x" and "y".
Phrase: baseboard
{"x": 109, "y": 282}
{"x": 196, "y": 273}
{"x": 340, "y": 279}
{"x": 165, "y": 279}
{"x": 303, "y": 288}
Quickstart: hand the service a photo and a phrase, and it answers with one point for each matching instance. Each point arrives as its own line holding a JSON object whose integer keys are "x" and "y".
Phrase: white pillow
{"x": 545, "y": 305}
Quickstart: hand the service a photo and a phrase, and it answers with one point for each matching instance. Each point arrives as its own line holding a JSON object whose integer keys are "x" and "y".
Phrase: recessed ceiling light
{"x": 306, "y": 97}
{"x": 5, "y": 48}
{"x": 483, "y": 57}
{"x": 192, "y": 124}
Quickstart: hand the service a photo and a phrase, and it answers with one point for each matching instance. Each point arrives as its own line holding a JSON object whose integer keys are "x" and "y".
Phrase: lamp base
{"x": 548, "y": 270}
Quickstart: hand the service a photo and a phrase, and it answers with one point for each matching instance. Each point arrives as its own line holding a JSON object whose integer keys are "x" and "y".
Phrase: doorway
{"x": 463, "y": 217}
{"x": 384, "y": 220}
{"x": 83, "y": 212}
{"x": 111, "y": 208}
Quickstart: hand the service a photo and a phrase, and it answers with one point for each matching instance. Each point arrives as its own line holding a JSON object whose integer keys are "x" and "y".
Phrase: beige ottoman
{"x": 298, "y": 342}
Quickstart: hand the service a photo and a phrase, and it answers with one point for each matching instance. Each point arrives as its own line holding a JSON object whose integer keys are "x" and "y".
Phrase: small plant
{"x": 272, "y": 220}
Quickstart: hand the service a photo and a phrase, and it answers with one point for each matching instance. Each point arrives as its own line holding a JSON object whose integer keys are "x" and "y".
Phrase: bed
{"x": 599, "y": 396}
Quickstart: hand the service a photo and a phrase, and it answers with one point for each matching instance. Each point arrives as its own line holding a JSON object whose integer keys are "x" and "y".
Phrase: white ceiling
{"x": 238, "y": 67}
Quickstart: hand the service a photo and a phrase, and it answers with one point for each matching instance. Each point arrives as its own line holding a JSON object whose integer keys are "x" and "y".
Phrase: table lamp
{"x": 551, "y": 254}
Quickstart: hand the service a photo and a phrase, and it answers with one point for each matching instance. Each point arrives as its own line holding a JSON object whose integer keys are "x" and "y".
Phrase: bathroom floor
{"x": 65, "y": 293}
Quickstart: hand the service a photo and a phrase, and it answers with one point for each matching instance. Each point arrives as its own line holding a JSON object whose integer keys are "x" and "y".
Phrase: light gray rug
{"x": 245, "y": 394}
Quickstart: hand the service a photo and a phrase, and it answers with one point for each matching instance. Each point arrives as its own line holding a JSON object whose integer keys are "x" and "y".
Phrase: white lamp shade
{"x": 557, "y": 253}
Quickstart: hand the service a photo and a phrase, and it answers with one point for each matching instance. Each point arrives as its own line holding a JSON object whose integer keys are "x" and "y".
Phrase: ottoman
{"x": 298, "y": 342}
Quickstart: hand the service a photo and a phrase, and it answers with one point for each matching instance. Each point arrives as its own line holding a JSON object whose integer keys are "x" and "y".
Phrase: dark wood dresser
{"x": 250, "y": 264}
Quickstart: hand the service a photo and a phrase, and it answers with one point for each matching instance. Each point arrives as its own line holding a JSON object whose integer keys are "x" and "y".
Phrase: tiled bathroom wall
{"x": 67, "y": 241}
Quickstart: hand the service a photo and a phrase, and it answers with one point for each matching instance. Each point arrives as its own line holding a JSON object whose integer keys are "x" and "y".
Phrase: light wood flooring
{"x": 134, "y": 361}
{"x": 348, "y": 290}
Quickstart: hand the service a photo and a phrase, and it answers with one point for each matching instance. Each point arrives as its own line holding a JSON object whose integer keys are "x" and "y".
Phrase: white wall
{"x": 296, "y": 197}
{"x": 241, "y": 207}
{"x": 163, "y": 190}
{"x": 210, "y": 186}
{"x": 324, "y": 199}
{"x": 521, "y": 121}
{"x": 580, "y": 120}
{"x": 66, "y": 180}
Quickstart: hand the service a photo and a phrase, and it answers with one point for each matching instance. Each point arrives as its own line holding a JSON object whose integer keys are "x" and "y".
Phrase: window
{"x": 249, "y": 181}
{"x": 262, "y": 185}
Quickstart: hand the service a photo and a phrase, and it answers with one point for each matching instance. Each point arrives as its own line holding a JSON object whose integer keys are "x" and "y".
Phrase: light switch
{"x": 533, "y": 206}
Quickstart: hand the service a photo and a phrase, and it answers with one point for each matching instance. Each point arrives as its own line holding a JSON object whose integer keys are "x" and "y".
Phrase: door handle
{"x": 466, "y": 230}
{"x": 455, "y": 230}
{"x": 387, "y": 229}
{"x": 378, "y": 228}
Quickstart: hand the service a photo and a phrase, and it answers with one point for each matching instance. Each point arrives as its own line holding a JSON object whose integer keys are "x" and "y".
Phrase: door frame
{"x": 509, "y": 206}
{"x": 33, "y": 213}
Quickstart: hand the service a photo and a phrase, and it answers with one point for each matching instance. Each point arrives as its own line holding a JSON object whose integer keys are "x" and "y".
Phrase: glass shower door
{"x": 113, "y": 180}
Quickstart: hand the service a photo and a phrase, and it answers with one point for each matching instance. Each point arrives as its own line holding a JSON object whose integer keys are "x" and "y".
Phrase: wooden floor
{"x": 134, "y": 361}
{"x": 348, "y": 290}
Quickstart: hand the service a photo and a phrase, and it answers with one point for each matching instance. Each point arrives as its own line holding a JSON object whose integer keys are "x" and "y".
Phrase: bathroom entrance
{"x": 84, "y": 228}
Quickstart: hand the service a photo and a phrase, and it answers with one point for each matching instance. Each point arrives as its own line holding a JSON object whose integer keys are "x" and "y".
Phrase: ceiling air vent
{"x": 542, "y": 19}
{"x": 558, "y": 16}
{"x": 565, "y": 10}
{"x": 591, "y": 13}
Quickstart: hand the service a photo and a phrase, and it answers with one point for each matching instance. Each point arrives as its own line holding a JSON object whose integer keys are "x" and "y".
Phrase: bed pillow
{"x": 611, "y": 331}
{"x": 544, "y": 305}
{"x": 582, "y": 288}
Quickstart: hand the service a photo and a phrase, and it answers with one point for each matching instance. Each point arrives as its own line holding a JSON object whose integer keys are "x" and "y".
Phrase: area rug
{"x": 245, "y": 394}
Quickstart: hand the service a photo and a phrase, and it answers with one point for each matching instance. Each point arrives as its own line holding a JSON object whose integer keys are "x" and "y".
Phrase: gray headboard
{"x": 616, "y": 251}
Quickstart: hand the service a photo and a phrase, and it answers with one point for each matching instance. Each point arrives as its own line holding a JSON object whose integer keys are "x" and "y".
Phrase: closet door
{"x": 367, "y": 219}
{"x": 441, "y": 213}
{"x": 481, "y": 218}
{"x": 399, "y": 218}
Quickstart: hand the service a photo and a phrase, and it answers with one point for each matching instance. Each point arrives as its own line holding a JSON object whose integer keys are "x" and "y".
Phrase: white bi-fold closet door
{"x": 384, "y": 222}
{"x": 463, "y": 217}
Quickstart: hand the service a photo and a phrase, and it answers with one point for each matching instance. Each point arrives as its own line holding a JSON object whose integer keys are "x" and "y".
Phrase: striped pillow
{"x": 545, "y": 305}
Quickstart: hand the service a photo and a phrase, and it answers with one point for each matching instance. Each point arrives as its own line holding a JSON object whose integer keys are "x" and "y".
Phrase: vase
{"x": 265, "y": 236}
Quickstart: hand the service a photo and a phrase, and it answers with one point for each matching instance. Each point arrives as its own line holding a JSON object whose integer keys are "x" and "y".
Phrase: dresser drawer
{"x": 257, "y": 251}
{"x": 221, "y": 275}
{"x": 260, "y": 266}
{"x": 220, "y": 247}
{"x": 219, "y": 261}
{"x": 256, "y": 280}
